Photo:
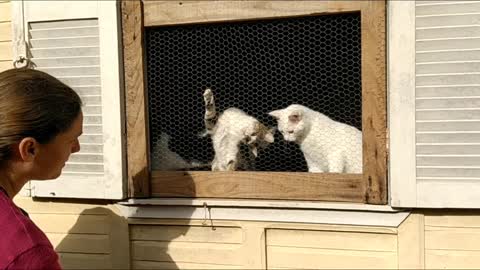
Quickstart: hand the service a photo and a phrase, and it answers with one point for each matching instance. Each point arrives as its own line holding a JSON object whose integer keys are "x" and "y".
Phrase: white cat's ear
{"x": 275, "y": 114}
{"x": 295, "y": 116}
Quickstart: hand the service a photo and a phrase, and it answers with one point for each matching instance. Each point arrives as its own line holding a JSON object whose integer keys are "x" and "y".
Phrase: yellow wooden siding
{"x": 6, "y": 49}
{"x": 302, "y": 249}
{"x": 86, "y": 236}
{"x": 181, "y": 246}
{"x": 452, "y": 239}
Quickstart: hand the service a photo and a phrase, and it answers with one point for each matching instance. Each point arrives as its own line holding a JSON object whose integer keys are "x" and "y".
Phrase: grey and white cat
{"x": 167, "y": 159}
{"x": 328, "y": 145}
{"x": 231, "y": 132}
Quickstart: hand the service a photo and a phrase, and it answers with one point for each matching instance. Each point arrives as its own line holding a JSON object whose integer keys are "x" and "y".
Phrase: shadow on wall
{"x": 102, "y": 238}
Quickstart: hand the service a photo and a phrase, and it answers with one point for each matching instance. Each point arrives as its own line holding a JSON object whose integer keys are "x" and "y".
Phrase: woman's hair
{"x": 33, "y": 104}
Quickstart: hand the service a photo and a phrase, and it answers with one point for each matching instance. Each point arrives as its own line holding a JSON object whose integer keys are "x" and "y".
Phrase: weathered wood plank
{"x": 374, "y": 111}
{"x": 173, "y": 12}
{"x": 137, "y": 119}
{"x": 259, "y": 185}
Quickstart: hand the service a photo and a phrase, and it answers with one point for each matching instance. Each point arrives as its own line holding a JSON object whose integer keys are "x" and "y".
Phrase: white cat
{"x": 167, "y": 159}
{"x": 328, "y": 146}
{"x": 232, "y": 129}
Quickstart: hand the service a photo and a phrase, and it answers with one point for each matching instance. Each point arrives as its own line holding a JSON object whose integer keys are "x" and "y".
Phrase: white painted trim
{"x": 248, "y": 203}
{"x": 448, "y": 194}
{"x": 18, "y": 38}
{"x": 60, "y": 10}
{"x": 359, "y": 218}
{"x": 401, "y": 103}
{"x": 112, "y": 93}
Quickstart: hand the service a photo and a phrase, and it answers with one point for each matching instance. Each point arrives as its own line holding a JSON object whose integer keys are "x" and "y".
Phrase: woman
{"x": 40, "y": 122}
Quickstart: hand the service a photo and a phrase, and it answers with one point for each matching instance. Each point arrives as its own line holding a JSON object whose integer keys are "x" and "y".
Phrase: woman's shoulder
{"x": 19, "y": 233}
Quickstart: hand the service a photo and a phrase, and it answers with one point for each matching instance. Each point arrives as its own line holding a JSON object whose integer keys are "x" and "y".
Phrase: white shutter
{"x": 79, "y": 43}
{"x": 441, "y": 163}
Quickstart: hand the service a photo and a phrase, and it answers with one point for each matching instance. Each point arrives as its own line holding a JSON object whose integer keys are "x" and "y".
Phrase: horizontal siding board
{"x": 6, "y": 50}
{"x": 72, "y": 71}
{"x": 448, "y": 91}
{"x": 448, "y": 172}
{"x": 92, "y": 148}
{"x": 201, "y": 234}
{"x": 80, "y": 243}
{"x": 453, "y": 55}
{"x": 448, "y": 7}
{"x": 65, "y": 32}
{"x": 4, "y": 65}
{"x": 5, "y": 31}
{"x": 67, "y": 61}
{"x": 63, "y": 24}
{"x": 62, "y": 223}
{"x": 453, "y": 219}
{"x": 450, "y": 259}
{"x": 91, "y": 100}
{"x": 447, "y": 114}
{"x": 447, "y": 20}
{"x": 466, "y": 149}
{"x": 85, "y": 261}
{"x": 448, "y": 161}
{"x": 330, "y": 240}
{"x": 307, "y": 258}
{"x": 83, "y": 167}
{"x": 227, "y": 254}
{"x": 93, "y": 120}
{"x": 5, "y": 11}
{"x": 445, "y": 103}
{"x": 88, "y": 138}
{"x": 79, "y": 157}
{"x": 94, "y": 109}
{"x": 181, "y": 265}
{"x": 448, "y": 125}
{"x": 88, "y": 91}
{"x": 448, "y": 138}
{"x": 448, "y": 44}
{"x": 449, "y": 32}
{"x": 452, "y": 238}
{"x": 65, "y": 52}
{"x": 80, "y": 80}
{"x": 438, "y": 68}
{"x": 447, "y": 79}
{"x": 65, "y": 42}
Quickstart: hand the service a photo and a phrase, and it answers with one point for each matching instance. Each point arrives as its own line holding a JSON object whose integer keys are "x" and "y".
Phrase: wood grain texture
{"x": 177, "y": 12}
{"x": 374, "y": 111}
{"x": 137, "y": 118}
{"x": 260, "y": 185}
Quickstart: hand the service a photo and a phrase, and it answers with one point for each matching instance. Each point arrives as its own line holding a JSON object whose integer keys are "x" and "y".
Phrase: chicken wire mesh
{"x": 256, "y": 66}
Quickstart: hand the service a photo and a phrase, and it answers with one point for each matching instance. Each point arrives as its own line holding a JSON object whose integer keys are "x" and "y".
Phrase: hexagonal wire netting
{"x": 257, "y": 66}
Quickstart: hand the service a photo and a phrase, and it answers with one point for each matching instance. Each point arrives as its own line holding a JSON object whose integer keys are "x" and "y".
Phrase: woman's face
{"x": 52, "y": 156}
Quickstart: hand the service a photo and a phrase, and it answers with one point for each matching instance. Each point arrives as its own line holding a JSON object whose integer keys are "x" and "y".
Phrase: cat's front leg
{"x": 336, "y": 163}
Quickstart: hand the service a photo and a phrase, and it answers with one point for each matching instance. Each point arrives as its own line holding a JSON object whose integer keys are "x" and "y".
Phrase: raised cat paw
{"x": 208, "y": 96}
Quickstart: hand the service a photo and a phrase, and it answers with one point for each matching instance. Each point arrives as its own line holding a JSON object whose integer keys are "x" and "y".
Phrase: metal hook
{"x": 21, "y": 59}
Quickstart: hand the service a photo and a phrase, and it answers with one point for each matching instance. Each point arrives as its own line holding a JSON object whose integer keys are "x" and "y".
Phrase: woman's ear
{"x": 27, "y": 149}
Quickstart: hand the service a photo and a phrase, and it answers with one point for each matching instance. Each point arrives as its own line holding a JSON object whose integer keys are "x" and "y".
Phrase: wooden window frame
{"x": 369, "y": 187}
